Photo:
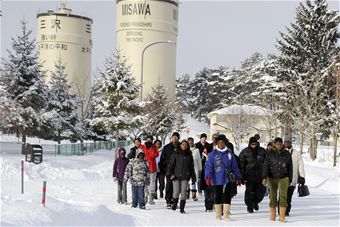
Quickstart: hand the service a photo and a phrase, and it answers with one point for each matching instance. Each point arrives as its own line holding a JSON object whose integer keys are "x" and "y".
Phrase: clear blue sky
{"x": 211, "y": 33}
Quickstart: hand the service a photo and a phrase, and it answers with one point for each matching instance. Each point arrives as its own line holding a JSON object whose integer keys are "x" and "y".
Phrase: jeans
{"x": 122, "y": 196}
{"x": 138, "y": 196}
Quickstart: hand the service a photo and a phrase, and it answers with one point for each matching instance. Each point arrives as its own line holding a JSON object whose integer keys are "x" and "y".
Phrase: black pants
{"x": 168, "y": 190}
{"x": 161, "y": 180}
{"x": 209, "y": 197}
{"x": 254, "y": 194}
{"x": 222, "y": 194}
{"x": 290, "y": 193}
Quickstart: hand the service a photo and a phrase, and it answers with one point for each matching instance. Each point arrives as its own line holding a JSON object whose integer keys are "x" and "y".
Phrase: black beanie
{"x": 175, "y": 134}
{"x": 252, "y": 140}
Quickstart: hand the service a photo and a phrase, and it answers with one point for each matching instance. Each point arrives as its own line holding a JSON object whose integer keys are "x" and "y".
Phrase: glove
{"x": 208, "y": 181}
{"x": 301, "y": 180}
{"x": 238, "y": 182}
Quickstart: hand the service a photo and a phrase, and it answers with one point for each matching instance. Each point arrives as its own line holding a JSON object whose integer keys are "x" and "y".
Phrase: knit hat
{"x": 203, "y": 135}
{"x": 257, "y": 136}
{"x": 175, "y": 134}
{"x": 252, "y": 140}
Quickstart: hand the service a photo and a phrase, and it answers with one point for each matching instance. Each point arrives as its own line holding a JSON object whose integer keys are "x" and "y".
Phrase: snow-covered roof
{"x": 245, "y": 109}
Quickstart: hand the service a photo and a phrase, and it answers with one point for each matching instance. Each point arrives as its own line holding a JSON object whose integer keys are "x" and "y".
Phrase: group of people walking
{"x": 183, "y": 167}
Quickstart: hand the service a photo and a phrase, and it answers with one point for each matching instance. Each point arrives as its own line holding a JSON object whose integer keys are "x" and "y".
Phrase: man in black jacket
{"x": 278, "y": 168}
{"x": 164, "y": 165}
{"x": 251, "y": 166}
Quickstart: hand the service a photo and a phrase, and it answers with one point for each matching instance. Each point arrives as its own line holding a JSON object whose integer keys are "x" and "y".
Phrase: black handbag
{"x": 303, "y": 190}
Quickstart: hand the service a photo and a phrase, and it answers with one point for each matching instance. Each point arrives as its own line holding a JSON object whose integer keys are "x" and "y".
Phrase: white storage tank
{"x": 67, "y": 36}
{"x": 149, "y": 28}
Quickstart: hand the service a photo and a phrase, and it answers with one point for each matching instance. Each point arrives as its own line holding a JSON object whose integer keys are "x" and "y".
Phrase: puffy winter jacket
{"x": 298, "y": 165}
{"x": 182, "y": 166}
{"x": 151, "y": 154}
{"x": 119, "y": 167}
{"x": 278, "y": 165}
{"x": 165, "y": 160}
{"x": 138, "y": 171}
{"x": 251, "y": 163}
{"x": 218, "y": 166}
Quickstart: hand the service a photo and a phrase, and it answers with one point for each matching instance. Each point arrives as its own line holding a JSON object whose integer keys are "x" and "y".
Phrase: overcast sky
{"x": 211, "y": 33}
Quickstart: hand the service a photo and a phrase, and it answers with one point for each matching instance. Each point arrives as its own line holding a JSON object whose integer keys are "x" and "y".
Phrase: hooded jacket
{"x": 298, "y": 165}
{"x": 119, "y": 167}
{"x": 151, "y": 153}
{"x": 218, "y": 166}
{"x": 138, "y": 171}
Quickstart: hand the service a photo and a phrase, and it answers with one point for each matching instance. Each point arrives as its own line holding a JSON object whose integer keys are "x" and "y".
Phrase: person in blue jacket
{"x": 220, "y": 171}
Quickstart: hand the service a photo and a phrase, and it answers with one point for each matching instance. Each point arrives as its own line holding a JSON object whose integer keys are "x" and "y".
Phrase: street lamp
{"x": 151, "y": 44}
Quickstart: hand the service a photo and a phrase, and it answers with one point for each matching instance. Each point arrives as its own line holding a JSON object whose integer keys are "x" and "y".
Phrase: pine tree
{"x": 117, "y": 108}
{"x": 160, "y": 113}
{"x": 24, "y": 91}
{"x": 306, "y": 54}
{"x": 62, "y": 116}
{"x": 183, "y": 91}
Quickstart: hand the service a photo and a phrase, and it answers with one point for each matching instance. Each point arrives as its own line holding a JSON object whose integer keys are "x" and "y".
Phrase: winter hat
{"x": 252, "y": 140}
{"x": 120, "y": 150}
{"x": 257, "y": 136}
{"x": 175, "y": 134}
{"x": 203, "y": 135}
{"x": 138, "y": 152}
{"x": 190, "y": 138}
{"x": 222, "y": 137}
{"x": 278, "y": 140}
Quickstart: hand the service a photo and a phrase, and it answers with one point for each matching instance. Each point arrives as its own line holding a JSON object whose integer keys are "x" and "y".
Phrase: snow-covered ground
{"x": 81, "y": 192}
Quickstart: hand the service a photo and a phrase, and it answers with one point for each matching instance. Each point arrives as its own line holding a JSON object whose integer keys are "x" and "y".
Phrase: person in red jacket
{"x": 151, "y": 153}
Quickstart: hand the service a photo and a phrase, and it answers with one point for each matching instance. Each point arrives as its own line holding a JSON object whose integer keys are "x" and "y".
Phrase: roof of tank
{"x": 64, "y": 14}
{"x": 174, "y": 2}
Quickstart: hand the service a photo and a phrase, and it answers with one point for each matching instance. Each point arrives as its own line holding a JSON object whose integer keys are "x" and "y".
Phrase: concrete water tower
{"x": 147, "y": 34}
{"x": 67, "y": 36}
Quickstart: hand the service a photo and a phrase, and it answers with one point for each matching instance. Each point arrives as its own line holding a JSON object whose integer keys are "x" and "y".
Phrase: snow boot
{"x": 272, "y": 213}
{"x": 174, "y": 205}
{"x": 181, "y": 206}
{"x": 282, "y": 214}
{"x": 226, "y": 209}
{"x": 256, "y": 207}
{"x": 218, "y": 210}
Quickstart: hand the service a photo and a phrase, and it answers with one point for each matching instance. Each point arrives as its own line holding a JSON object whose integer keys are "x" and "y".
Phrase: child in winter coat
{"x": 119, "y": 167}
{"x": 139, "y": 174}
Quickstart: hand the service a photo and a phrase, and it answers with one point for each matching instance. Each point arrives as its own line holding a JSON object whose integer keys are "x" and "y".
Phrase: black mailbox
{"x": 34, "y": 153}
